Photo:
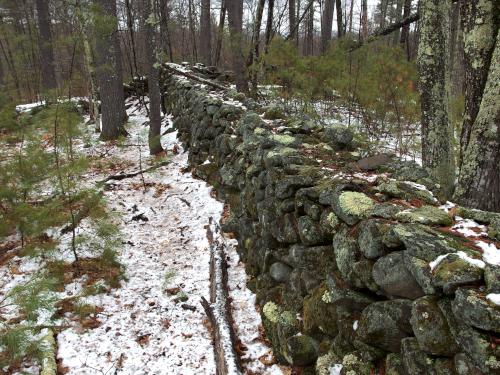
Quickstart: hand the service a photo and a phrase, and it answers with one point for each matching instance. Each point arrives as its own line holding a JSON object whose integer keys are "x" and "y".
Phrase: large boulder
{"x": 472, "y": 308}
{"x": 384, "y": 324}
{"x": 391, "y": 274}
{"x": 431, "y": 328}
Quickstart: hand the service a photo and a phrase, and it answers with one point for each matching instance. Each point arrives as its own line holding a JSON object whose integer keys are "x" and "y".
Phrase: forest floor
{"x": 154, "y": 322}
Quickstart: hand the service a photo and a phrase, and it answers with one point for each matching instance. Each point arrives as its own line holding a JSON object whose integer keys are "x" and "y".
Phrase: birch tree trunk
{"x": 437, "y": 131}
{"x": 108, "y": 70}
{"x": 235, "y": 19}
{"x": 205, "y": 33}
{"x": 153, "y": 78}
{"x": 46, "y": 51}
{"x": 326, "y": 24}
{"x": 479, "y": 179}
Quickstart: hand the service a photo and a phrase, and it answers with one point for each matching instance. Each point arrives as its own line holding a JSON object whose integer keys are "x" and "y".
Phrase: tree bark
{"x": 192, "y": 30}
{"x": 108, "y": 70}
{"x": 205, "y": 33}
{"x": 479, "y": 30}
{"x": 46, "y": 51}
{"x": 340, "y": 24}
{"x": 309, "y": 38}
{"x": 235, "y": 18}
{"x": 153, "y": 79}
{"x": 166, "y": 42}
{"x": 292, "y": 30}
{"x": 326, "y": 24}
{"x": 269, "y": 23}
{"x": 383, "y": 12}
{"x": 437, "y": 131}
{"x": 405, "y": 31}
{"x": 364, "y": 20}
{"x": 254, "y": 50}
{"x": 399, "y": 11}
{"x": 220, "y": 32}
{"x": 479, "y": 179}
{"x": 351, "y": 13}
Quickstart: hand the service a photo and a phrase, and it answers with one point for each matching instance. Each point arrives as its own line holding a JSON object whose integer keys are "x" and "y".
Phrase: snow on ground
{"x": 154, "y": 323}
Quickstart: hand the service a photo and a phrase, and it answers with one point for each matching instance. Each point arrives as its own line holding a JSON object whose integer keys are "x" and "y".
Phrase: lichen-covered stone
{"x": 453, "y": 272}
{"x": 370, "y": 237}
{"x": 301, "y": 350}
{"x": 345, "y": 297}
{"x": 351, "y": 206}
{"x": 273, "y": 113}
{"x": 280, "y": 272}
{"x": 354, "y": 364}
{"x": 391, "y": 274}
{"x": 339, "y": 137}
{"x": 346, "y": 255}
{"x": 318, "y": 315}
{"x": 310, "y": 232}
{"x": 474, "y": 343}
{"x": 431, "y": 328}
{"x": 404, "y": 190}
{"x": 472, "y": 308}
{"x": 386, "y": 210}
{"x": 492, "y": 278}
{"x": 464, "y": 366}
{"x": 384, "y": 324}
{"x": 326, "y": 362}
{"x": 428, "y": 215}
{"x": 394, "y": 364}
{"x": 421, "y": 272}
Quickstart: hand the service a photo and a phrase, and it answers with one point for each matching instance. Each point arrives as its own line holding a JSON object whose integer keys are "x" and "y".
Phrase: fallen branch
{"x": 219, "y": 310}
{"x": 194, "y": 77}
{"x": 123, "y": 176}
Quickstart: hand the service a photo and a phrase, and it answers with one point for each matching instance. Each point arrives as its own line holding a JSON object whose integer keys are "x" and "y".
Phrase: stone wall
{"x": 338, "y": 249}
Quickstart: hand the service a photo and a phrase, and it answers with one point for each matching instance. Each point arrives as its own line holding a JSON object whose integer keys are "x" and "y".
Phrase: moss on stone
{"x": 357, "y": 204}
{"x": 283, "y": 139}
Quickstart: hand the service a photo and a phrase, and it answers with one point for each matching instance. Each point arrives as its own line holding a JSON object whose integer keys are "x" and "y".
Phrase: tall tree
{"x": 148, "y": 25}
{"x": 109, "y": 69}
{"x": 192, "y": 29}
{"x": 46, "y": 46}
{"x": 364, "y": 20}
{"x": 340, "y": 24}
{"x": 166, "y": 42}
{"x": 399, "y": 11}
{"x": 269, "y": 23}
{"x": 479, "y": 178}
{"x": 235, "y": 18}
{"x": 405, "y": 31}
{"x": 292, "y": 14}
{"x": 326, "y": 24}
{"x": 437, "y": 131}
{"x": 220, "y": 32}
{"x": 309, "y": 37}
{"x": 477, "y": 19}
{"x": 254, "y": 53}
{"x": 205, "y": 33}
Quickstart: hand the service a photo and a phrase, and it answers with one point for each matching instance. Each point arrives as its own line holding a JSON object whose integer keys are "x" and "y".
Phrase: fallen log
{"x": 219, "y": 309}
{"x": 122, "y": 176}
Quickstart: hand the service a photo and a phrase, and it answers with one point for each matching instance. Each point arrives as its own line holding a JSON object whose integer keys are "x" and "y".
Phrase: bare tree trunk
{"x": 383, "y": 12}
{"x": 340, "y": 24}
{"x": 292, "y": 21}
{"x": 130, "y": 26}
{"x": 309, "y": 39}
{"x": 477, "y": 19}
{"x": 254, "y": 54}
{"x": 109, "y": 72}
{"x": 364, "y": 20}
{"x": 166, "y": 41}
{"x": 351, "y": 13}
{"x": 205, "y": 33}
{"x": 437, "y": 131}
{"x": 153, "y": 79}
{"x": 479, "y": 179}
{"x": 46, "y": 51}
{"x": 220, "y": 32}
{"x": 192, "y": 29}
{"x": 399, "y": 10}
{"x": 235, "y": 18}
{"x": 405, "y": 30}
{"x": 326, "y": 24}
{"x": 269, "y": 23}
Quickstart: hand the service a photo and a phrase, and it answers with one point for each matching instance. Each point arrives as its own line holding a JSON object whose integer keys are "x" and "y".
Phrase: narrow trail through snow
{"x": 145, "y": 328}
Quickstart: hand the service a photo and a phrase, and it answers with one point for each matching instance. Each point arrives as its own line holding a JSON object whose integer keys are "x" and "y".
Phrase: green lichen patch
{"x": 357, "y": 204}
{"x": 429, "y": 215}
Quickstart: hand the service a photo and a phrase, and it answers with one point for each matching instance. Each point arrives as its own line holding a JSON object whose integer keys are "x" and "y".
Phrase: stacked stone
{"x": 340, "y": 260}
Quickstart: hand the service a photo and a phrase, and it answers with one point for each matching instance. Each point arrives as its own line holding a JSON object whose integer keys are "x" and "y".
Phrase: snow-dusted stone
{"x": 453, "y": 271}
{"x": 472, "y": 308}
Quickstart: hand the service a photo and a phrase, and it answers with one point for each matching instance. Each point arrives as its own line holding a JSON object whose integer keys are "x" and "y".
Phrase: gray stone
{"x": 301, "y": 350}
{"x": 421, "y": 272}
{"x": 431, "y": 328}
{"x": 280, "y": 272}
{"x": 339, "y": 137}
{"x": 384, "y": 324}
{"x": 391, "y": 274}
{"x": 428, "y": 215}
{"x": 370, "y": 237}
{"x": 394, "y": 364}
{"x": 453, "y": 272}
{"x": 492, "y": 278}
{"x": 310, "y": 232}
{"x": 371, "y": 163}
{"x": 386, "y": 210}
{"x": 472, "y": 308}
{"x": 351, "y": 206}
{"x": 464, "y": 366}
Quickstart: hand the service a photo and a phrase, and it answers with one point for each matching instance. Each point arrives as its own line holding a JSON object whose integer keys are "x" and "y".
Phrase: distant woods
{"x": 90, "y": 47}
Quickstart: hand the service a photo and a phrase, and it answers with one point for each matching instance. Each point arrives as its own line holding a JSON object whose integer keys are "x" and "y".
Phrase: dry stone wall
{"x": 355, "y": 265}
